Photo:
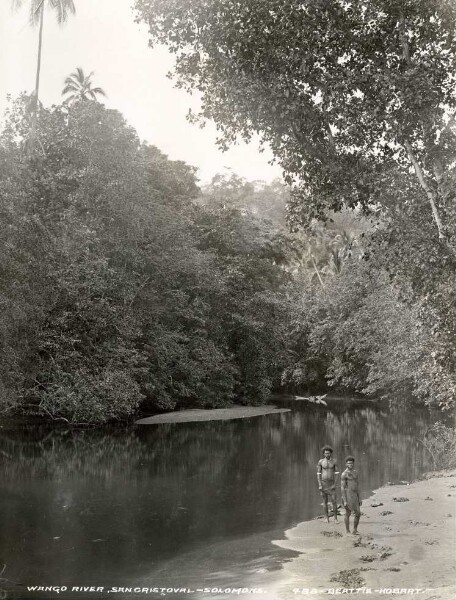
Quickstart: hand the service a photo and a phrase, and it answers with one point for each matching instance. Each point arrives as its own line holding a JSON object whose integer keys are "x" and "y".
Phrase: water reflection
{"x": 140, "y": 505}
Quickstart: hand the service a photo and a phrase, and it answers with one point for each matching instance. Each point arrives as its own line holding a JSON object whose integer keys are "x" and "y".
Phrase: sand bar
{"x": 407, "y": 542}
{"x": 213, "y": 414}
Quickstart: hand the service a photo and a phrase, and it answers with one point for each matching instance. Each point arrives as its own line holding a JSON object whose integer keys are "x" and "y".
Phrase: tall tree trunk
{"x": 430, "y": 193}
{"x": 40, "y": 44}
{"x": 37, "y": 79}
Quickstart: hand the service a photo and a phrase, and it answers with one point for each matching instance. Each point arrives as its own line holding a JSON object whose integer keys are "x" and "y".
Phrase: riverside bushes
{"x": 123, "y": 286}
{"x": 117, "y": 290}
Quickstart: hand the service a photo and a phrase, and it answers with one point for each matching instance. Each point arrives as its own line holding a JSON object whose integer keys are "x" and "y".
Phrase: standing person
{"x": 350, "y": 494}
{"x": 326, "y": 476}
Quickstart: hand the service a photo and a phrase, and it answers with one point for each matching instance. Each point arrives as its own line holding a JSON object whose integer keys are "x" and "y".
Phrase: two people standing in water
{"x": 327, "y": 475}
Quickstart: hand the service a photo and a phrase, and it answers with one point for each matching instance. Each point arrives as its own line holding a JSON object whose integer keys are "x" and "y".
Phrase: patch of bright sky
{"x": 103, "y": 37}
{"x": 344, "y": 58}
{"x": 317, "y": 98}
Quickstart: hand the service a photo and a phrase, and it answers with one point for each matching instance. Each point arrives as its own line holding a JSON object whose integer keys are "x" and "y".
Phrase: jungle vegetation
{"x": 128, "y": 286}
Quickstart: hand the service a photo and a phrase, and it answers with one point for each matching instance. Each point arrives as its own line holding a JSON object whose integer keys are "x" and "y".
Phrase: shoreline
{"x": 237, "y": 411}
{"x": 407, "y": 542}
{"x": 278, "y": 403}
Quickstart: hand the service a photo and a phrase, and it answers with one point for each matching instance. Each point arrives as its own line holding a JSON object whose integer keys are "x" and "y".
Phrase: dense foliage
{"x": 357, "y": 101}
{"x": 126, "y": 287}
{"x": 117, "y": 290}
{"x": 342, "y": 91}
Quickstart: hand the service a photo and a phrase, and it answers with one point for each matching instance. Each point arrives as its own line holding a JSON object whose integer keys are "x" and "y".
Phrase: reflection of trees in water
{"x": 383, "y": 443}
{"x": 202, "y": 451}
{"x": 154, "y": 491}
{"x": 212, "y": 450}
{"x": 61, "y": 454}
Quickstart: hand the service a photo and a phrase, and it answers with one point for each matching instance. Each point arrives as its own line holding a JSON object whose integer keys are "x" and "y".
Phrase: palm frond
{"x": 71, "y": 81}
{"x": 62, "y": 8}
{"x": 36, "y": 6}
{"x": 79, "y": 75}
{"x": 69, "y": 88}
{"x": 17, "y": 4}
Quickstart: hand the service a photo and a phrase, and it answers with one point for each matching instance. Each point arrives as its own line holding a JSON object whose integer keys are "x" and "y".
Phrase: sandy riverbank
{"x": 404, "y": 545}
{"x": 213, "y": 414}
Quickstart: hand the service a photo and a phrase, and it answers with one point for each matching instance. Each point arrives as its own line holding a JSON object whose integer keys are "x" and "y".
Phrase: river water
{"x": 185, "y": 505}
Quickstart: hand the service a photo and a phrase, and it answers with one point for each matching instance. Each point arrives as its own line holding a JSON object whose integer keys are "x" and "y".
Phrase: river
{"x": 186, "y": 505}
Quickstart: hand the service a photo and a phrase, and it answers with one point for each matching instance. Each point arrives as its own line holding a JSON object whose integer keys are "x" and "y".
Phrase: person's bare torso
{"x": 327, "y": 467}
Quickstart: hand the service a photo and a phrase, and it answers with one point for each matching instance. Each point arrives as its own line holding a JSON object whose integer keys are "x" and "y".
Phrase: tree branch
{"x": 404, "y": 41}
{"x": 429, "y": 192}
{"x": 317, "y": 271}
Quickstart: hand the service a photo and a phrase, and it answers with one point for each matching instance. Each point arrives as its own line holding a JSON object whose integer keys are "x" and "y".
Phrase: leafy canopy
{"x": 119, "y": 291}
{"x": 342, "y": 91}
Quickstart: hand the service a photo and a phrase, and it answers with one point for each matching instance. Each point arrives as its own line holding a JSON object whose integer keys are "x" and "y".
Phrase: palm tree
{"x": 79, "y": 87}
{"x": 323, "y": 253}
{"x": 62, "y": 9}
